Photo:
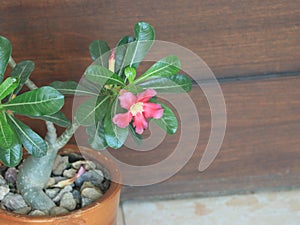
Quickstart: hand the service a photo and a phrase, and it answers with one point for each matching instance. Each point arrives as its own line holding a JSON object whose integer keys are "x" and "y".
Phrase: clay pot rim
{"x": 113, "y": 190}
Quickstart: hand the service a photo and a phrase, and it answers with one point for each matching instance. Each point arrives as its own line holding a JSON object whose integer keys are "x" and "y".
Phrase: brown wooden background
{"x": 251, "y": 46}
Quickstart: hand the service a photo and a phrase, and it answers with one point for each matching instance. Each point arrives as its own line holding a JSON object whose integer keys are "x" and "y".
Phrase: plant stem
{"x": 66, "y": 136}
{"x": 34, "y": 172}
{"x": 12, "y": 62}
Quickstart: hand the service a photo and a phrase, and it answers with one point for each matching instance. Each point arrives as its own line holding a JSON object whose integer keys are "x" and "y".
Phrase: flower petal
{"x": 140, "y": 123}
{"x": 153, "y": 110}
{"x": 122, "y": 119}
{"x": 127, "y": 99}
{"x": 146, "y": 95}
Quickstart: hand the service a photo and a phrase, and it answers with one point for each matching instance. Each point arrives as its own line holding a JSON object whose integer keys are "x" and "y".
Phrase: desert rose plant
{"x": 120, "y": 102}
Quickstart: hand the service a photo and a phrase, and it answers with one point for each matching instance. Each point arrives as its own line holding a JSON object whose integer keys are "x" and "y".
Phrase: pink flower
{"x": 139, "y": 109}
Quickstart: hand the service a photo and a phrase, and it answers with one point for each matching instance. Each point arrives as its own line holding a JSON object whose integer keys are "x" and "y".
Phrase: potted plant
{"x": 119, "y": 103}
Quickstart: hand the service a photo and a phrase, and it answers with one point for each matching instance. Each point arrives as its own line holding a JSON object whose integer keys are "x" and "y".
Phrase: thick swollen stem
{"x": 34, "y": 173}
{"x": 32, "y": 178}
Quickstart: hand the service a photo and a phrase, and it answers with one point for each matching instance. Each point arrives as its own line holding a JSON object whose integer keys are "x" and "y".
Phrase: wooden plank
{"x": 260, "y": 150}
{"x": 235, "y": 37}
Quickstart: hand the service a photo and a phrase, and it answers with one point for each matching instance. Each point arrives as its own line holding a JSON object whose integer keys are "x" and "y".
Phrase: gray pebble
{"x": 60, "y": 164}
{"x": 68, "y": 202}
{"x": 51, "y": 182}
{"x": 55, "y": 211}
{"x": 23, "y": 211}
{"x": 52, "y": 192}
{"x": 4, "y": 189}
{"x": 94, "y": 176}
{"x": 11, "y": 175}
{"x": 62, "y": 192}
{"x": 86, "y": 201}
{"x": 59, "y": 178}
{"x": 14, "y": 201}
{"x": 88, "y": 165}
{"x": 37, "y": 213}
{"x": 91, "y": 193}
{"x": 2, "y": 180}
{"x": 69, "y": 173}
{"x": 77, "y": 196}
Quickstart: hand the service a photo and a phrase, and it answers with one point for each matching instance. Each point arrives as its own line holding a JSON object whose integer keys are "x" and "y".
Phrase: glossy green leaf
{"x": 92, "y": 110}
{"x": 137, "y": 138}
{"x": 89, "y": 85}
{"x": 5, "y": 53}
{"x": 12, "y": 156}
{"x": 8, "y": 86}
{"x": 7, "y": 135}
{"x": 58, "y": 118}
{"x": 31, "y": 141}
{"x": 71, "y": 88}
{"x": 38, "y": 102}
{"x": 115, "y": 136}
{"x": 168, "y": 122}
{"x": 101, "y": 75}
{"x": 136, "y": 50}
{"x": 96, "y": 136}
{"x": 97, "y": 50}
{"x": 120, "y": 53}
{"x": 173, "y": 84}
{"x": 134, "y": 89}
{"x": 22, "y": 72}
{"x": 130, "y": 74}
{"x": 165, "y": 67}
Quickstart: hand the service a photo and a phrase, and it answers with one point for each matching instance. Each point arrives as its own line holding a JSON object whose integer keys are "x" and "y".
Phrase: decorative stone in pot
{"x": 101, "y": 212}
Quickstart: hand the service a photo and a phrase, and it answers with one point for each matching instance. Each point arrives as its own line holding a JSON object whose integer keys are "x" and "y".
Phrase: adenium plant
{"x": 119, "y": 103}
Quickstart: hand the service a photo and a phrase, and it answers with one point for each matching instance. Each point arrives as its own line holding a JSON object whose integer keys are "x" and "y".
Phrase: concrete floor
{"x": 269, "y": 208}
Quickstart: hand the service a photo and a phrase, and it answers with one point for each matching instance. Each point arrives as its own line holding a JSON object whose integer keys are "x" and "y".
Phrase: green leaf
{"x": 92, "y": 110}
{"x": 38, "y": 102}
{"x": 7, "y": 135}
{"x": 134, "y": 89}
{"x": 58, "y": 118}
{"x": 137, "y": 138}
{"x": 115, "y": 136}
{"x": 31, "y": 141}
{"x": 136, "y": 50}
{"x": 120, "y": 53}
{"x": 8, "y": 86}
{"x": 177, "y": 83}
{"x": 101, "y": 75}
{"x": 168, "y": 122}
{"x": 96, "y": 136}
{"x": 89, "y": 85}
{"x": 97, "y": 50}
{"x": 5, "y": 53}
{"x": 12, "y": 156}
{"x": 165, "y": 67}
{"x": 130, "y": 74}
{"x": 71, "y": 88}
{"x": 22, "y": 72}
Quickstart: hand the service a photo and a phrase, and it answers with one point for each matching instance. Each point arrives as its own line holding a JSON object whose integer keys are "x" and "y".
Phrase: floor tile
{"x": 120, "y": 220}
{"x": 276, "y": 208}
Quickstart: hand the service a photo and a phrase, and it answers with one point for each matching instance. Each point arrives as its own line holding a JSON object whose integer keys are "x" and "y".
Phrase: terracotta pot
{"x": 101, "y": 212}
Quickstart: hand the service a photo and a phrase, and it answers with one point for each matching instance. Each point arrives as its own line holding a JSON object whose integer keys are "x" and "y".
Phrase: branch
{"x": 12, "y": 62}
{"x": 66, "y": 136}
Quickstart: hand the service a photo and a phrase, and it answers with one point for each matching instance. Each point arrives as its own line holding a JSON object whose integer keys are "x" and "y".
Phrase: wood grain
{"x": 260, "y": 150}
{"x": 239, "y": 39}
{"x": 234, "y": 38}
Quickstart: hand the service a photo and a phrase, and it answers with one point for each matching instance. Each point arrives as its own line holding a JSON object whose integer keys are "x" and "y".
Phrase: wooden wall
{"x": 253, "y": 48}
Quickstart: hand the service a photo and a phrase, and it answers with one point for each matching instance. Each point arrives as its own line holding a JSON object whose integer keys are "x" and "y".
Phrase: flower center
{"x": 136, "y": 108}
